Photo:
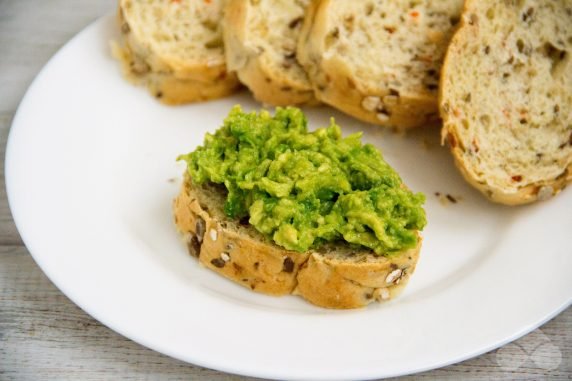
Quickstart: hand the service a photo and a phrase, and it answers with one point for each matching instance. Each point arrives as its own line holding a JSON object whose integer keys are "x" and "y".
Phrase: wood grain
{"x": 44, "y": 336}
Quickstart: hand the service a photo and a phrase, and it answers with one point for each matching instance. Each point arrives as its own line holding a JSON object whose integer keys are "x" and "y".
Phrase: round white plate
{"x": 91, "y": 172}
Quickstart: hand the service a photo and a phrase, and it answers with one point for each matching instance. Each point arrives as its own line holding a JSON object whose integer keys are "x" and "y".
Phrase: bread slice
{"x": 506, "y": 98}
{"x": 378, "y": 61}
{"x": 175, "y": 48}
{"x": 335, "y": 276}
{"x": 260, "y": 40}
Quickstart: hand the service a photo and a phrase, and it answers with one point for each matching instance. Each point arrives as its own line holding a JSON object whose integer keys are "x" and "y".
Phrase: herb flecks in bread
{"x": 262, "y": 182}
{"x": 260, "y": 45}
{"x": 506, "y": 98}
{"x": 175, "y": 48}
{"x": 303, "y": 189}
{"x": 378, "y": 61}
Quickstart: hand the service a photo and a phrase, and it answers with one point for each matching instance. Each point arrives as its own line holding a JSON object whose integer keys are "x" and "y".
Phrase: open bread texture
{"x": 506, "y": 98}
{"x": 335, "y": 276}
{"x": 260, "y": 40}
{"x": 175, "y": 48}
{"x": 378, "y": 61}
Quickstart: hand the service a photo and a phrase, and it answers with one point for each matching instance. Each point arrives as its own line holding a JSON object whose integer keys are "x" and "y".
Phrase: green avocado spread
{"x": 303, "y": 189}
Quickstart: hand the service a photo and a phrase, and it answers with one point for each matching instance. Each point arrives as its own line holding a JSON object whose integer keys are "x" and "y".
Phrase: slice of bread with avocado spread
{"x": 175, "y": 49}
{"x": 282, "y": 210}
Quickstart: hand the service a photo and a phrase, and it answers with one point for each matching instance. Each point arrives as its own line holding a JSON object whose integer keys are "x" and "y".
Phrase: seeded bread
{"x": 260, "y": 45}
{"x": 332, "y": 277}
{"x": 378, "y": 61}
{"x": 175, "y": 49}
{"x": 506, "y": 98}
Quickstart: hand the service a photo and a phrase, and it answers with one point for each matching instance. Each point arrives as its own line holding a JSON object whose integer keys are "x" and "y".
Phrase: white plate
{"x": 90, "y": 167}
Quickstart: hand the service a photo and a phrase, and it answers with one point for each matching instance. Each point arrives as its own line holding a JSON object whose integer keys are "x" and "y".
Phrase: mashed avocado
{"x": 303, "y": 189}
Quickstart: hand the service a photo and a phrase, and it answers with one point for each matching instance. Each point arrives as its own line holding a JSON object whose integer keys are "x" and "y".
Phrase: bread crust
{"x": 335, "y": 84}
{"x": 253, "y": 66}
{"x": 529, "y": 193}
{"x": 171, "y": 80}
{"x": 332, "y": 283}
{"x": 341, "y": 92}
{"x": 538, "y": 191}
{"x": 322, "y": 278}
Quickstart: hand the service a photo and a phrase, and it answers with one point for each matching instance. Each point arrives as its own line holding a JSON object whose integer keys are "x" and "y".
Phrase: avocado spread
{"x": 303, "y": 189}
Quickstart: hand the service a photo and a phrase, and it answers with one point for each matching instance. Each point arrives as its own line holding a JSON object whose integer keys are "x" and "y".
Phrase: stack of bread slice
{"x": 378, "y": 61}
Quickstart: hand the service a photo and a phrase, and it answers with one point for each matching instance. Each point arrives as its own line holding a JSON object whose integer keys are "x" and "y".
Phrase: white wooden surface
{"x": 44, "y": 336}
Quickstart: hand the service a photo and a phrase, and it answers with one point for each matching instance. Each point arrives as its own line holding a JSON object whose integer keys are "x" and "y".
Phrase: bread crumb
{"x": 446, "y": 198}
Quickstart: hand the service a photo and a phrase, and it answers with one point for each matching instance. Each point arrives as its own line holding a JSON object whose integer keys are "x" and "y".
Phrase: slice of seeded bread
{"x": 335, "y": 276}
{"x": 175, "y": 49}
{"x": 378, "y": 61}
{"x": 260, "y": 40}
{"x": 506, "y": 98}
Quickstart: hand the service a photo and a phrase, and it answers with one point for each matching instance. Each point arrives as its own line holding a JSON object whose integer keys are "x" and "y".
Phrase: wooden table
{"x": 44, "y": 336}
